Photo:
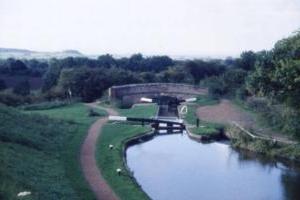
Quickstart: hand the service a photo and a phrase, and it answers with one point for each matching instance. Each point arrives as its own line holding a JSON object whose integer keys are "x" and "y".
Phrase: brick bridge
{"x": 132, "y": 93}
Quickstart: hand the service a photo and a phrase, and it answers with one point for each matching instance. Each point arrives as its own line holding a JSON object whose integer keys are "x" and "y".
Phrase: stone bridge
{"x": 132, "y": 93}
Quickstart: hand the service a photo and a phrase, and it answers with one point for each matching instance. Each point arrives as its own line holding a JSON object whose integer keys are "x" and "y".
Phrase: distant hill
{"x": 28, "y": 54}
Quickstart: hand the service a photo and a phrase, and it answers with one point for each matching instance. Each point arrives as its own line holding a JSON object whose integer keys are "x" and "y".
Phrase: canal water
{"x": 174, "y": 167}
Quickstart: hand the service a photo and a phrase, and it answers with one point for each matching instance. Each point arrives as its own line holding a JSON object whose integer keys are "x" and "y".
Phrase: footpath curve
{"x": 88, "y": 161}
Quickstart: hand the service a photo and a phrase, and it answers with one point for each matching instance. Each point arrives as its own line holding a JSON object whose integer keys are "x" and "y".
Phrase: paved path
{"x": 88, "y": 161}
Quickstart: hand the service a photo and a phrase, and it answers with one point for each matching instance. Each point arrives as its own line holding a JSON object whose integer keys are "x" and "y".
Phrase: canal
{"x": 175, "y": 167}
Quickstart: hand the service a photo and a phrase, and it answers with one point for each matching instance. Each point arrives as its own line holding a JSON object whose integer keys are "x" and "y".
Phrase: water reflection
{"x": 175, "y": 167}
{"x": 290, "y": 181}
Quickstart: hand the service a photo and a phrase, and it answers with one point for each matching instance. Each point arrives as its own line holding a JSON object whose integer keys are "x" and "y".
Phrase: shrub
{"x": 93, "y": 113}
{"x": 45, "y": 105}
{"x": 241, "y": 93}
{"x": 11, "y": 99}
{"x": 278, "y": 116}
{"x": 216, "y": 87}
{"x": 22, "y": 88}
{"x": 55, "y": 94}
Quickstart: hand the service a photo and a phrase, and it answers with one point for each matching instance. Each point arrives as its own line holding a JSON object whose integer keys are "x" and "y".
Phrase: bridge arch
{"x": 132, "y": 93}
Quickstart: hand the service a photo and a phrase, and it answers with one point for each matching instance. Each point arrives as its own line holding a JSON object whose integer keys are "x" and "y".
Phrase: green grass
{"x": 44, "y": 105}
{"x": 205, "y": 100}
{"x": 142, "y": 111}
{"x": 30, "y": 156}
{"x": 205, "y": 128}
{"x": 109, "y": 160}
{"x": 39, "y": 152}
{"x": 76, "y": 114}
{"x": 202, "y": 100}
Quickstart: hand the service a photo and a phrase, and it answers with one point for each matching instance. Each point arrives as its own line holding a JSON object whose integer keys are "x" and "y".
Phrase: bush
{"x": 93, "y": 113}
{"x": 241, "y": 93}
{"x": 55, "y": 94}
{"x": 216, "y": 87}
{"x": 291, "y": 122}
{"x": 11, "y": 99}
{"x": 278, "y": 116}
{"x": 45, "y": 105}
{"x": 22, "y": 88}
{"x": 258, "y": 104}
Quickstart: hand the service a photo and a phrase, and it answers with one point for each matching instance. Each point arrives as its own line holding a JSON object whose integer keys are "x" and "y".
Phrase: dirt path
{"x": 88, "y": 162}
{"x": 225, "y": 112}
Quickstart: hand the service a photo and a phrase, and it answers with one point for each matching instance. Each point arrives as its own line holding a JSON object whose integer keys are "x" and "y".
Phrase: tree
{"x": 119, "y": 76}
{"x": 287, "y": 79}
{"x": 216, "y": 86}
{"x": 148, "y": 77}
{"x": 226, "y": 84}
{"x": 136, "y": 62}
{"x": 288, "y": 48}
{"x": 157, "y": 63}
{"x": 86, "y": 83}
{"x": 51, "y": 77}
{"x": 106, "y": 61}
{"x": 277, "y": 73}
{"x": 16, "y": 67}
{"x": 175, "y": 74}
{"x": 247, "y": 60}
{"x": 2, "y": 85}
{"x": 200, "y": 69}
{"x": 234, "y": 78}
{"x": 22, "y": 88}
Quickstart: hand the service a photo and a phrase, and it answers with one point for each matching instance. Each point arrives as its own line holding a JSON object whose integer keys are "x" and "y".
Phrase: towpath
{"x": 91, "y": 171}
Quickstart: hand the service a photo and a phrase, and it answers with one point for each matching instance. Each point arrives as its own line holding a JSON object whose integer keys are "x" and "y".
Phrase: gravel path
{"x": 88, "y": 161}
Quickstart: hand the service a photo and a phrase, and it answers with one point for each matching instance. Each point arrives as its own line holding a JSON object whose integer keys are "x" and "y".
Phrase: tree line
{"x": 272, "y": 75}
{"x": 88, "y": 78}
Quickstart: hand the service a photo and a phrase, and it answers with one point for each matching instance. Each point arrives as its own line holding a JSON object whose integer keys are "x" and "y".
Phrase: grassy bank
{"x": 289, "y": 152}
{"x": 270, "y": 148}
{"x": 39, "y": 152}
{"x": 205, "y": 128}
{"x": 111, "y": 159}
{"x": 78, "y": 116}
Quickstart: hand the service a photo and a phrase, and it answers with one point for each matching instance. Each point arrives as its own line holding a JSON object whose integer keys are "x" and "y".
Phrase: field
{"x": 39, "y": 152}
{"x": 111, "y": 159}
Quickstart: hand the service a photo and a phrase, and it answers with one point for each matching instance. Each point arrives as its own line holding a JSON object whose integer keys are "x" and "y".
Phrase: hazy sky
{"x": 174, "y": 27}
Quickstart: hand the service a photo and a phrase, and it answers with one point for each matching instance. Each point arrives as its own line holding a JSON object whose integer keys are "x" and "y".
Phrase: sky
{"x": 171, "y": 27}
